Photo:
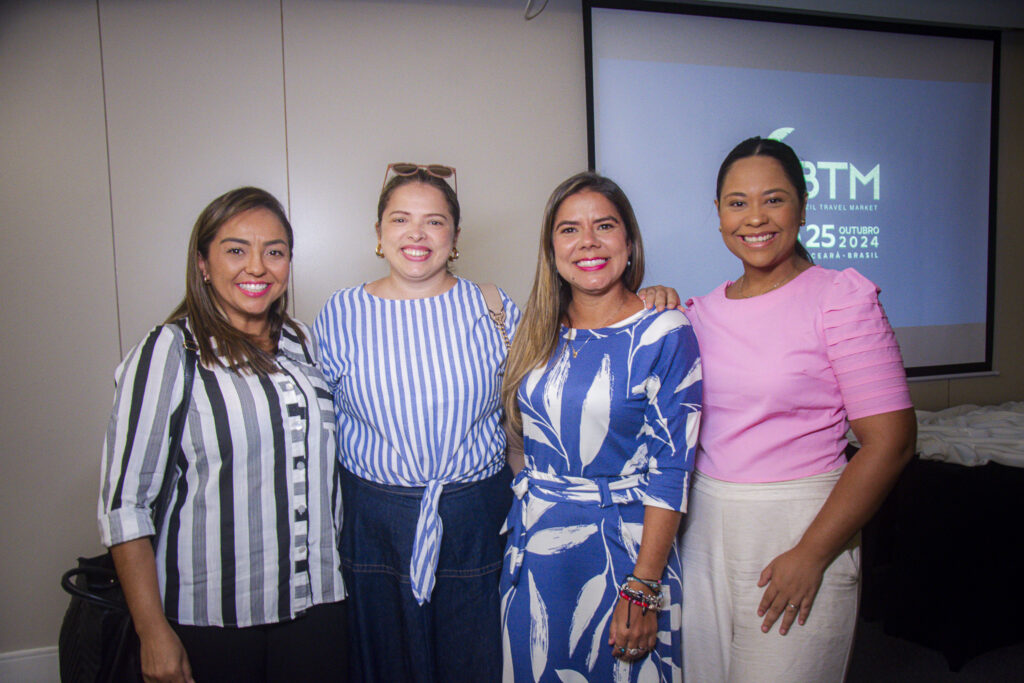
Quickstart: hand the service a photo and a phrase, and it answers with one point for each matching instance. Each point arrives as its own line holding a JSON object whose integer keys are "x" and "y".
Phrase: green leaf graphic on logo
{"x": 780, "y": 133}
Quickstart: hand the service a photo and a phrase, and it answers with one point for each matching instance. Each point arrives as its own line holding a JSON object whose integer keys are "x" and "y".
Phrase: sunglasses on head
{"x": 446, "y": 173}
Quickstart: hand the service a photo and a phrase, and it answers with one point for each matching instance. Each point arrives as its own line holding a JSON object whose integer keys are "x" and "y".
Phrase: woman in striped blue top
{"x": 231, "y": 574}
{"x": 415, "y": 365}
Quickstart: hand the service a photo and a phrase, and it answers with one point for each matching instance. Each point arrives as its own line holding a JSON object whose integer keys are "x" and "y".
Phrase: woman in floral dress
{"x": 606, "y": 395}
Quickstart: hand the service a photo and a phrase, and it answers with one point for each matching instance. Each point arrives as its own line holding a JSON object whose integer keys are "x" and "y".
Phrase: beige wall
{"x": 120, "y": 121}
{"x": 59, "y": 333}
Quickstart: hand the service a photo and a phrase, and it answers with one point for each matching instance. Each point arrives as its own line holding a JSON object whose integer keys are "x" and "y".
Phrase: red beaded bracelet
{"x": 645, "y": 603}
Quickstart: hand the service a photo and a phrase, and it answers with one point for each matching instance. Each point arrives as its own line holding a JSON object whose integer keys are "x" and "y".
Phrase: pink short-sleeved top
{"x": 785, "y": 370}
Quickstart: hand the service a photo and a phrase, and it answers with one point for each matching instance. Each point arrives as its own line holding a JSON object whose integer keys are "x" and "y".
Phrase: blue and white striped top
{"x": 416, "y": 387}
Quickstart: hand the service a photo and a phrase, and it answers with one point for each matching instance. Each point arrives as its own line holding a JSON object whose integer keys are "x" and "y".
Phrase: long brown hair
{"x": 537, "y": 335}
{"x": 210, "y": 325}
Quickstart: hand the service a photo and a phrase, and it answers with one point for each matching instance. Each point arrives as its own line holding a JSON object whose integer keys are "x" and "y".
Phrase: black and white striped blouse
{"x": 251, "y": 526}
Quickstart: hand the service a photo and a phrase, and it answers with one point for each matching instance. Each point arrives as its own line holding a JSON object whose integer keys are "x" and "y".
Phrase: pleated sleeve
{"x": 862, "y": 347}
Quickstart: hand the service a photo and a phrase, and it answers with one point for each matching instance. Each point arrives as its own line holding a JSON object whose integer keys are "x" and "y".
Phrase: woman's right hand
{"x": 660, "y": 298}
{"x": 163, "y": 657}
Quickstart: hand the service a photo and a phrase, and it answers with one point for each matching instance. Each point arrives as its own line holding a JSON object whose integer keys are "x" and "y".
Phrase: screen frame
{"x": 844, "y": 22}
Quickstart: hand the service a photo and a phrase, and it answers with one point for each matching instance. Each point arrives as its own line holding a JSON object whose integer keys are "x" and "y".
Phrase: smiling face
{"x": 247, "y": 268}
{"x": 590, "y": 243}
{"x": 760, "y": 212}
{"x": 417, "y": 233}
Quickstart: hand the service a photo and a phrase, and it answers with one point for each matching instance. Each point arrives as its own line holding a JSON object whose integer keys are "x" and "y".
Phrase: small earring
{"x": 454, "y": 255}
{"x": 629, "y": 262}
{"x": 206, "y": 279}
{"x": 380, "y": 251}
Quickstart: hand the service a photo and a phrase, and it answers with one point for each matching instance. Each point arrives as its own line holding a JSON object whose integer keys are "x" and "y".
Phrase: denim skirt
{"x": 455, "y": 636}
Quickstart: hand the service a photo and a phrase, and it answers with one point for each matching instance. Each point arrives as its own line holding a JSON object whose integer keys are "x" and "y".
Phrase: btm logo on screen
{"x": 842, "y": 205}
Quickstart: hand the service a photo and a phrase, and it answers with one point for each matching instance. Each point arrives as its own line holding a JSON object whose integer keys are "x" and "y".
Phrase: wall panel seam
{"x": 110, "y": 180}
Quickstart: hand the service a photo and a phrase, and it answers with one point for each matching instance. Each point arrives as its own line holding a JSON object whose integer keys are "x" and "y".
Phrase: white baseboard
{"x": 30, "y": 666}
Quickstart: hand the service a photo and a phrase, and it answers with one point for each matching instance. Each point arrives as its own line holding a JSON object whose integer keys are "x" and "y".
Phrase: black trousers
{"x": 312, "y": 647}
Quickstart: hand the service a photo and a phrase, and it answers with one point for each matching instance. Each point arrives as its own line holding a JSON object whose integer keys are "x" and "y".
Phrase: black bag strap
{"x": 307, "y": 345}
{"x": 100, "y": 577}
{"x": 177, "y": 429}
{"x": 98, "y": 572}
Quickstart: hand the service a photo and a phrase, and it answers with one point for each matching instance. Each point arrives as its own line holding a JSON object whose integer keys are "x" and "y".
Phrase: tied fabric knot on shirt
{"x": 532, "y": 487}
{"x": 426, "y": 549}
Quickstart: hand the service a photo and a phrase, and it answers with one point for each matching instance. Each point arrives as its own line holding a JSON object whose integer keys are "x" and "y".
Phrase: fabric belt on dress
{"x": 552, "y": 488}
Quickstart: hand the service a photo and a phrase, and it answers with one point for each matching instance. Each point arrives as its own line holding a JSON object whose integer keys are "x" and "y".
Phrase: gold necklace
{"x": 576, "y": 352}
{"x": 610, "y": 319}
{"x": 742, "y": 282}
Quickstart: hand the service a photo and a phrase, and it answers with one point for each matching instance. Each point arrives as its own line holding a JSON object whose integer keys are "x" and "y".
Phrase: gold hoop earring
{"x": 380, "y": 251}
{"x": 454, "y": 255}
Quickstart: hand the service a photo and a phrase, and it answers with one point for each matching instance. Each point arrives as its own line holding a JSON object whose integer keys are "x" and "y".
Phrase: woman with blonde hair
{"x": 607, "y": 397}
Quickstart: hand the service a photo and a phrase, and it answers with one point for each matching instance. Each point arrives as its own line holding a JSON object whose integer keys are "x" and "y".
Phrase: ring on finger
{"x": 791, "y": 606}
{"x": 634, "y": 651}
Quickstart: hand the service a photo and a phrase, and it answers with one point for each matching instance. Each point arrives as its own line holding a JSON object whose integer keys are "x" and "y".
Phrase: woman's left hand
{"x": 792, "y": 581}
{"x": 660, "y": 297}
{"x": 633, "y": 634}
{"x": 793, "y": 578}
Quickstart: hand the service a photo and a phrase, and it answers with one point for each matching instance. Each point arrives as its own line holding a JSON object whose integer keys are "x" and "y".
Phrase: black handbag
{"x": 97, "y": 639}
{"x": 97, "y": 642}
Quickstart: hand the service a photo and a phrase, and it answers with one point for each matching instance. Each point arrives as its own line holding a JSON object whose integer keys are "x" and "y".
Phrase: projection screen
{"x": 895, "y": 125}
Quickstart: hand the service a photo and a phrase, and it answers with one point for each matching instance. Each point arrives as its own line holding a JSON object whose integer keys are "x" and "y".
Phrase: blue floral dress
{"x": 610, "y": 426}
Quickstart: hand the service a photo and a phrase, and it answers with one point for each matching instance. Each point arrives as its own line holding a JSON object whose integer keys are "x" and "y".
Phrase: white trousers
{"x": 732, "y": 532}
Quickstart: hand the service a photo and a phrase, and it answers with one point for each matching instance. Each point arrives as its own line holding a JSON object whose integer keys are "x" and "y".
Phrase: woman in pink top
{"x": 791, "y": 354}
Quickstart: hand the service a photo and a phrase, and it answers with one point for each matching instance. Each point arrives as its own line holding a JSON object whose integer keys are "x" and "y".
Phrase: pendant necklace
{"x": 742, "y": 282}
{"x": 576, "y": 352}
{"x": 568, "y": 341}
